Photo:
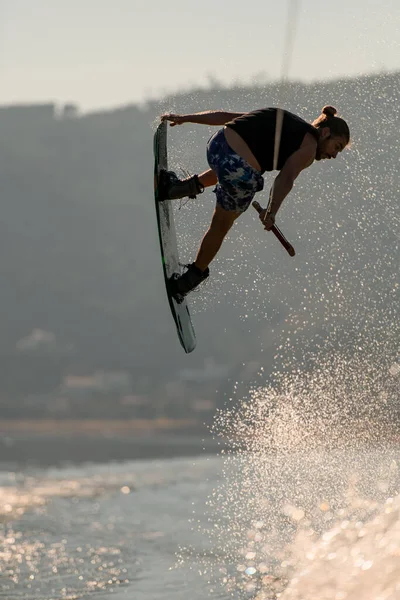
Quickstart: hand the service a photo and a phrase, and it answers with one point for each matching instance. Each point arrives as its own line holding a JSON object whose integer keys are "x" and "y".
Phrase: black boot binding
{"x": 181, "y": 285}
{"x": 173, "y": 188}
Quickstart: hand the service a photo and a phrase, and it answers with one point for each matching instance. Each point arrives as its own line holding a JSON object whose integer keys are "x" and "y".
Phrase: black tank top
{"x": 257, "y": 128}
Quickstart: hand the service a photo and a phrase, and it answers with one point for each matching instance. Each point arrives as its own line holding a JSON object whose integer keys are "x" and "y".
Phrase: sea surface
{"x": 314, "y": 525}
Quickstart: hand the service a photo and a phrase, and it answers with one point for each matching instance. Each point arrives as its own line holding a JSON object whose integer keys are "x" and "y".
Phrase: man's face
{"x": 329, "y": 146}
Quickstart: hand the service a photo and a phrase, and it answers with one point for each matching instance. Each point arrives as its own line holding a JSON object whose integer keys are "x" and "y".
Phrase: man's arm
{"x": 299, "y": 160}
{"x": 208, "y": 117}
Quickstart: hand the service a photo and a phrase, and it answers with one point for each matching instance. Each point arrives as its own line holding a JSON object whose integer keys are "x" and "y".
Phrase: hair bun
{"x": 329, "y": 111}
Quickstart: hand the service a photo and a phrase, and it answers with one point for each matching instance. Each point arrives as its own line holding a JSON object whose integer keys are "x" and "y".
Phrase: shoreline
{"x": 25, "y": 444}
{"x": 26, "y": 451}
{"x": 96, "y": 427}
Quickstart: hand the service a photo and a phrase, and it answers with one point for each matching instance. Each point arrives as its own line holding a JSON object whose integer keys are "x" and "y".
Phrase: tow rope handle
{"x": 277, "y": 232}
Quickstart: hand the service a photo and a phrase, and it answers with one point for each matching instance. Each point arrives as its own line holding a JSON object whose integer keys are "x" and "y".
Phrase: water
{"x": 313, "y": 524}
{"x": 114, "y": 529}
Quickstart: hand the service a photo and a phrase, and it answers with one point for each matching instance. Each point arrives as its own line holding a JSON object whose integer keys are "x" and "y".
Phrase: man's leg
{"x": 221, "y": 223}
{"x": 208, "y": 178}
{"x": 172, "y": 188}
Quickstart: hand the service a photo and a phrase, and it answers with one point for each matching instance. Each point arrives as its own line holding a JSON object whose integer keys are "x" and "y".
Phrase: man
{"x": 239, "y": 153}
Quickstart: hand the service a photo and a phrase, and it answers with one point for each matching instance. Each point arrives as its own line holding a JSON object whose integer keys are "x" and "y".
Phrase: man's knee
{"x": 223, "y": 222}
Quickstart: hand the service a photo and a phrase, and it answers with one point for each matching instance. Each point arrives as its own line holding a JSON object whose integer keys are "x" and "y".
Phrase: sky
{"x": 106, "y": 53}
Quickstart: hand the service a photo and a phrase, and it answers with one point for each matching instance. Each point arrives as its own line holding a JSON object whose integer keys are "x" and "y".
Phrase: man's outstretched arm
{"x": 208, "y": 117}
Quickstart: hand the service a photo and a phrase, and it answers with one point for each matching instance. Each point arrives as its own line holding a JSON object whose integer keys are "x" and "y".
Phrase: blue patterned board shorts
{"x": 238, "y": 182}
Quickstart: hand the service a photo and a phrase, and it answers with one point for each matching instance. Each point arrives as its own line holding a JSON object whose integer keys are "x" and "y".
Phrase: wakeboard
{"x": 168, "y": 243}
